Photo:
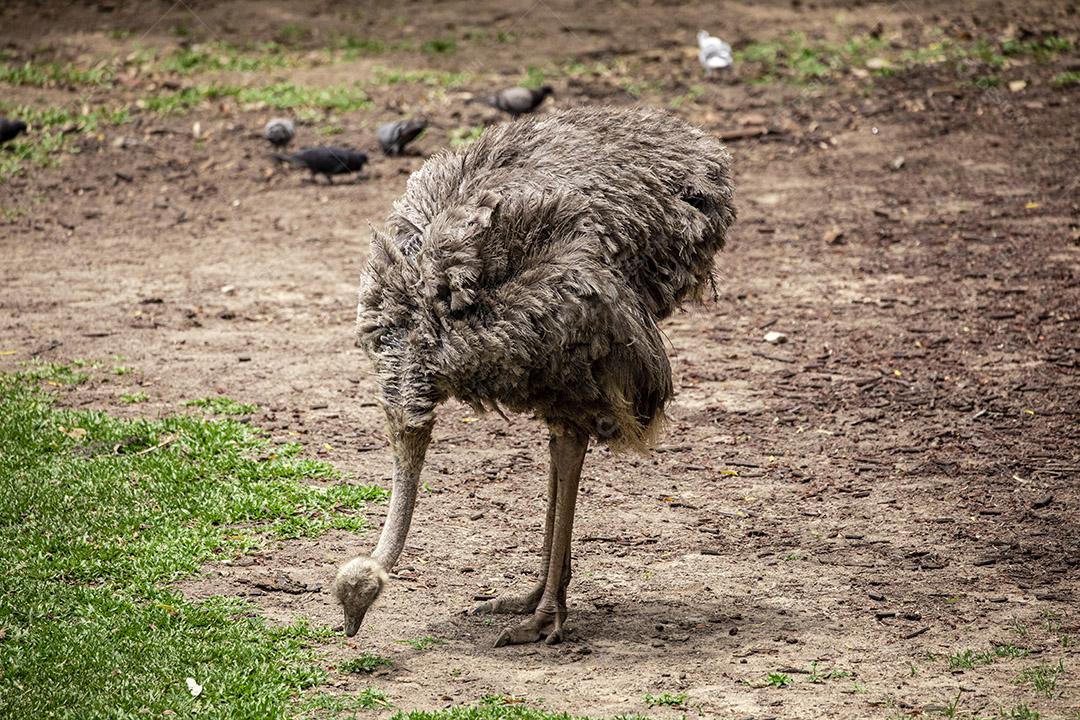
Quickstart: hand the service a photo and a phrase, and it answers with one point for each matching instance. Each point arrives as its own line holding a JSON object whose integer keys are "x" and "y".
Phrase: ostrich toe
{"x": 511, "y": 604}
{"x": 541, "y": 626}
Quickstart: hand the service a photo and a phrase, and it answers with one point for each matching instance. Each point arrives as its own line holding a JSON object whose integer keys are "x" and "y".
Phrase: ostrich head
{"x": 357, "y": 585}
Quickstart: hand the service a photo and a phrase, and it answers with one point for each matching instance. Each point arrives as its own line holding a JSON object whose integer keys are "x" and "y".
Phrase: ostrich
{"x": 529, "y": 272}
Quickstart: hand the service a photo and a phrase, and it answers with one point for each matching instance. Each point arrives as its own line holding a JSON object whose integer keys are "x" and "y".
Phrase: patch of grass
{"x": 669, "y": 699}
{"x": 465, "y": 136}
{"x": 1042, "y": 49}
{"x": 50, "y": 135}
{"x": 221, "y": 405}
{"x": 796, "y": 58}
{"x": 353, "y": 47}
{"x": 493, "y": 711}
{"x": 52, "y": 74}
{"x": 1042, "y": 678}
{"x": 970, "y": 659}
{"x": 184, "y": 99}
{"x": 817, "y": 676}
{"x": 367, "y": 663}
{"x": 330, "y": 130}
{"x": 37, "y": 371}
{"x": 133, "y": 398}
{"x": 1066, "y": 79}
{"x": 987, "y": 82}
{"x": 98, "y": 515}
{"x": 778, "y": 680}
{"x": 280, "y": 96}
{"x": 423, "y": 643}
{"x": 220, "y": 56}
{"x": 1019, "y": 712}
{"x": 534, "y": 78}
{"x": 287, "y": 95}
{"x": 439, "y": 46}
{"x": 293, "y": 33}
{"x": 388, "y": 76}
{"x": 324, "y": 704}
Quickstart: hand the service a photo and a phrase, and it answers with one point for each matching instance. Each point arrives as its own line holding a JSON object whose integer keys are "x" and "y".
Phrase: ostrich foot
{"x": 541, "y": 626}
{"x": 509, "y": 604}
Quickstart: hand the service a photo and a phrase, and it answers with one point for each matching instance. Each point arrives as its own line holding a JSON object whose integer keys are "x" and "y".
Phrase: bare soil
{"x": 898, "y": 481}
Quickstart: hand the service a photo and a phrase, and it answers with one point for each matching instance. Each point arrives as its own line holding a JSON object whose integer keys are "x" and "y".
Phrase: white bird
{"x": 715, "y": 54}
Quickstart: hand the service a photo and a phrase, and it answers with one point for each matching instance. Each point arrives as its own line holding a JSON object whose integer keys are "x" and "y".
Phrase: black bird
{"x": 326, "y": 161}
{"x": 10, "y": 129}
{"x": 517, "y": 100}
{"x": 394, "y": 136}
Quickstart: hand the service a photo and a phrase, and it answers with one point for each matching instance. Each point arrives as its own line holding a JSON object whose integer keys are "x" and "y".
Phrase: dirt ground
{"x": 898, "y": 482}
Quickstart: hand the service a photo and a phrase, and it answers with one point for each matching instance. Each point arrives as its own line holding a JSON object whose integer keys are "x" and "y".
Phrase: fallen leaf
{"x": 194, "y": 687}
{"x": 1032, "y": 205}
{"x": 1017, "y": 85}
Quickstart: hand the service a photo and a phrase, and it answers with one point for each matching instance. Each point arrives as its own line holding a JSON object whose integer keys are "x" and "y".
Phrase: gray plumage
{"x": 280, "y": 132}
{"x": 10, "y": 129}
{"x": 517, "y": 100}
{"x": 394, "y": 136}
{"x": 530, "y": 270}
{"x": 327, "y": 161}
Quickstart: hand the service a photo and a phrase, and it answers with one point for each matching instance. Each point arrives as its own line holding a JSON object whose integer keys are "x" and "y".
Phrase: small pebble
{"x": 775, "y": 338}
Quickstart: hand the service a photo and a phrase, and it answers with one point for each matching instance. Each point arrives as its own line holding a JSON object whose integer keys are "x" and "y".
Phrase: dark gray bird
{"x": 10, "y": 129}
{"x": 394, "y": 136}
{"x": 326, "y": 161}
{"x": 280, "y": 132}
{"x": 517, "y": 100}
{"x": 530, "y": 272}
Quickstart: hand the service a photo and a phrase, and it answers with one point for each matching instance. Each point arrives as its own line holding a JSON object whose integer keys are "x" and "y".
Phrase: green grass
{"x": 366, "y": 663}
{"x": 669, "y": 699}
{"x": 495, "y": 711}
{"x": 796, "y": 58}
{"x": 221, "y": 405}
{"x": 1042, "y": 678}
{"x": 465, "y": 136}
{"x": 219, "y": 56}
{"x": 52, "y": 74}
{"x": 325, "y": 704}
{"x": 50, "y": 135}
{"x": 1066, "y": 79}
{"x": 280, "y": 96}
{"x": 820, "y": 676}
{"x": 434, "y": 78}
{"x": 439, "y": 46}
{"x": 1019, "y": 712}
{"x": 423, "y": 643}
{"x": 133, "y": 398}
{"x": 98, "y": 515}
{"x": 970, "y": 659}
{"x": 778, "y": 680}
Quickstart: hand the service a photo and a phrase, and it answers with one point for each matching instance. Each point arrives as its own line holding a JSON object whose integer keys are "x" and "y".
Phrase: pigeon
{"x": 279, "y": 132}
{"x": 715, "y": 54}
{"x": 394, "y": 136}
{"x": 517, "y": 100}
{"x": 326, "y": 161}
{"x": 10, "y": 129}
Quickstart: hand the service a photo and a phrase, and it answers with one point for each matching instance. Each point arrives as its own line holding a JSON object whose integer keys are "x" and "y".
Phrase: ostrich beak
{"x": 353, "y": 622}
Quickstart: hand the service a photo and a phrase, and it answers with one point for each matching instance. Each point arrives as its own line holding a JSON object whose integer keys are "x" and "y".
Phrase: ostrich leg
{"x": 519, "y": 604}
{"x": 567, "y": 456}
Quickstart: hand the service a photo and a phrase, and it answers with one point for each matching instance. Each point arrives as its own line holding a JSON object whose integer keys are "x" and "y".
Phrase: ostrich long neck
{"x": 410, "y": 447}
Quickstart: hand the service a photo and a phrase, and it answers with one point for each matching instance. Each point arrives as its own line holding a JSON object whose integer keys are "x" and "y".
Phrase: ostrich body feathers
{"x": 530, "y": 270}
